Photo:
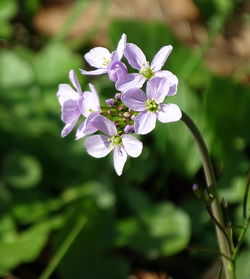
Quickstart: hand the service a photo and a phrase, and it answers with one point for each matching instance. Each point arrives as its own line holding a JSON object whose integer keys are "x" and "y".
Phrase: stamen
{"x": 151, "y": 105}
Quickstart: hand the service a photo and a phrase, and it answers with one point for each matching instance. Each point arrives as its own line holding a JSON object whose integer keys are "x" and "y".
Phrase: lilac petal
{"x": 97, "y": 146}
{"x": 70, "y": 111}
{"x": 91, "y": 102}
{"x": 75, "y": 82}
{"x": 157, "y": 89}
{"x": 129, "y": 129}
{"x": 145, "y": 122}
{"x": 86, "y": 127}
{"x": 169, "y": 113}
{"x": 116, "y": 70}
{"x": 121, "y": 46}
{"x": 129, "y": 81}
{"x": 135, "y": 56}
{"x": 135, "y": 99}
{"x": 132, "y": 145}
{"x": 98, "y": 57}
{"x": 119, "y": 159}
{"x": 105, "y": 125}
{"x": 172, "y": 80}
{"x": 94, "y": 73}
{"x": 65, "y": 92}
{"x": 161, "y": 57}
{"x": 68, "y": 128}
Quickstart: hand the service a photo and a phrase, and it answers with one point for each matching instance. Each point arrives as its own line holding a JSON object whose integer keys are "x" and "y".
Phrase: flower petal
{"x": 73, "y": 78}
{"x": 91, "y": 102}
{"x": 68, "y": 128}
{"x": 145, "y": 122}
{"x": 172, "y": 80}
{"x": 116, "y": 70}
{"x": 169, "y": 113}
{"x": 132, "y": 145}
{"x": 97, "y": 146}
{"x": 119, "y": 159}
{"x": 105, "y": 125}
{"x": 157, "y": 89}
{"x": 135, "y": 56}
{"x": 161, "y": 57}
{"x": 94, "y": 73}
{"x": 86, "y": 127}
{"x": 97, "y": 57}
{"x": 70, "y": 111}
{"x": 135, "y": 99}
{"x": 121, "y": 46}
{"x": 128, "y": 81}
{"x": 65, "y": 92}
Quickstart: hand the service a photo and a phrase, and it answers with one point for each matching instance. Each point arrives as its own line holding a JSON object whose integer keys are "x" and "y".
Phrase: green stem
{"x": 63, "y": 249}
{"x": 225, "y": 243}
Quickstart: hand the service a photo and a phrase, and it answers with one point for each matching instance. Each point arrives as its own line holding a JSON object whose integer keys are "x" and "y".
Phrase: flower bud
{"x": 129, "y": 129}
{"x": 118, "y": 96}
{"x": 110, "y": 102}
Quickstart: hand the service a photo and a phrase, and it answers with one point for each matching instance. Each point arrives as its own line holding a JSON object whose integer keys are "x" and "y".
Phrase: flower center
{"x": 146, "y": 71}
{"x": 151, "y": 105}
{"x": 115, "y": 140}
{"x": 106, "y": 61}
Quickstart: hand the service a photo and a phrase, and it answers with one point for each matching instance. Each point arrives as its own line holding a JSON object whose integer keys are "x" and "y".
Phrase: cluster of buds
{"x": 129, "y": 112}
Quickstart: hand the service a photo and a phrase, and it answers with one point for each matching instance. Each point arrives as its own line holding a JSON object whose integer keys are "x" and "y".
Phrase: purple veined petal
{"x": 129, "y": 129}
{"x": 161, "y": 57}
{"x": 86, "y": 127}
{"x": 172, "y": 80}
{"x": 169, "y": 113}
{"x": 98, "y": 57}
{"x": 70, "y": 111}
{"x": 129, "y": 81}
{"x": 105, "y": 125}
{"x": 116, "y": 70}
{"x": 98, "y": 146}
{"x": 94, "y": 73}
{"x": 135, "y": 99}
{"x": 132, "y": 145}
{"x": 157, "y": 89}
{"x": 121, "y": 46}
{"x": 145, "y": 122}
{"x": 119, "y": 158}
{"x": 74, "y": 80}
{"x": 135, "y": 56}
{"x": 65, "y": 93}
{"x": 90, "y": 101}
{"x": 68, "y": 128}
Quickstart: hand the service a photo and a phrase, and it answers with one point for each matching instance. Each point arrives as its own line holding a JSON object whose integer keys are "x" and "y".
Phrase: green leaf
{"x": 161, "y": 230}
{"x": 14, "y": 71}
{"x": 24, "y": 248}
{"x": 243, "y": 265}
{"x": 21, "y": 171}
{"x": 8, "y": 8}
{"x": 53, "y": 64}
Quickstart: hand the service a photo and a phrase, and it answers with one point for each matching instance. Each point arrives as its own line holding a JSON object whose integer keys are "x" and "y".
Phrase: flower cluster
{"x": 130, "y": 111}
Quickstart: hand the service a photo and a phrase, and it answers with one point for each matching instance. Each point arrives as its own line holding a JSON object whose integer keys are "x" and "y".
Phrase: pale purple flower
{"x": 99, "y": 146}
{"x": 149, "y": 105}
{"x": 106, "y": 62}
{"x": 71, "y": 103}
{"x": 137, "y": 60}
{"x": 90, "y": 109}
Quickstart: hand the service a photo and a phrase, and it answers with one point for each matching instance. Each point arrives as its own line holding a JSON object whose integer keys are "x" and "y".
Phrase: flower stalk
{"x": 224, "y": 238}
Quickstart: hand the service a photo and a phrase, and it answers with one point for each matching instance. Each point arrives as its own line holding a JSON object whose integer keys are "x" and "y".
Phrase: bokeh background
{"x": 66, "y": 215}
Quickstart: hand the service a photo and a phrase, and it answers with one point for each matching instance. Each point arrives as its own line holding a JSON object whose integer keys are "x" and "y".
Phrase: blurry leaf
{"x": 8, "y": 8}
{"x": 25, "y": 248}
{"x": 14, "y": 71}
{"x": 175, "y": 139}
{"x": 21, "y": 171}
{"x": 54, "y": 62}
{"x": 5, "y": 29}
{"x": 243, "y": 265}
{"x": 160, "y": 230}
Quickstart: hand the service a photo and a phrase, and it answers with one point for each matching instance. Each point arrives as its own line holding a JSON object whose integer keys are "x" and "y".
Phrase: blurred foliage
{"x": 48, "y": 184}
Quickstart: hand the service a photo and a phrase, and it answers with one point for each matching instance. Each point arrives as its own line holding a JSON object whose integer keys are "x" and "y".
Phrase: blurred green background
{"x": 67, "y": 215}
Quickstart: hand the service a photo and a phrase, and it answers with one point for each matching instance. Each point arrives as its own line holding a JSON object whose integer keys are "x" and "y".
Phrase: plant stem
{"x": 225, "y": 243}
{"x": 63, "y": 249}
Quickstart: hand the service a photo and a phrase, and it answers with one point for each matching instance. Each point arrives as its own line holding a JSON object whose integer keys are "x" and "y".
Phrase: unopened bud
{"x": 129, "y": 129}
{"x": 110, "y": 102}
{"x": 118, "y": 96}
